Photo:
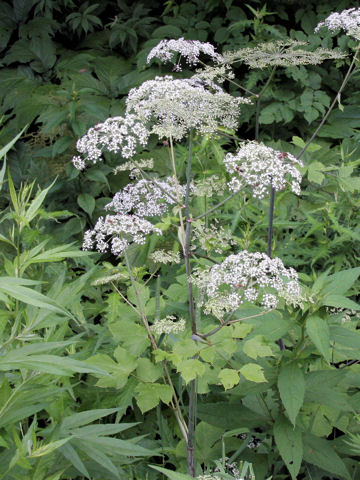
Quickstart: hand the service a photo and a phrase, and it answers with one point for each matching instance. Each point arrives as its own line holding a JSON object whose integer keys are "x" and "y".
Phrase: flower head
{"x": 258, "y": 166}
{"x": 253, "y": 277}
{"x": 165, "y": 256}
{"x": 347, "y": 20}
{"x": 117, "y": 135}
{"x": 174, "y": 106}
{"x": 117, "y": 232}
{"x": 188, "y": 49}
{"x": 146, "y": 198}
{"x": 134, "y": 167}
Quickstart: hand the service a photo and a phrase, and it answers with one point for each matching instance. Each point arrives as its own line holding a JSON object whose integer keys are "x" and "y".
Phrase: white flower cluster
{"x": 347, "y": 20}
{"x": 174, "y": 106}
{"x": 117, "y": 135}
{"x": 248, "y": 276}
{"x": 165, "y": 256}
{"x": 281, "y": 54}
{"x": 168, "y": 325}
{"x": 109, "y": 279}
{"x": 258, "y": 166}
{"x": 188, "y": 49}
{"x": 116, "y": 232}
{"x": 134, "y": 166}
{"x": 146, "y": 198}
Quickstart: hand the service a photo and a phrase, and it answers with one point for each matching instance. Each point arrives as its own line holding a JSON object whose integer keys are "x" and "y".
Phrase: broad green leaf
{"x": 315, "y": 172}
{"x": 253, "y": 372}
{"x": 86, "y": 202}
{"x": 229, "y": 378}
{"x": 115, "y": 446}
{"x": 291, "y": 385}
{"x": 341, "y": 282}
{"x": 321, "y": 453}
{"x": 289, "y": 442}
{"x": 241, "y": 330}
{"x": 257, "y": 347}
{"x": 190, "y": 369}
{"x": 133, "y": 337}
{"x": 148, "y": 395}
{"x": 318, "y": 331}
{"x": 141, "y": 291}
{"x": 339, "y": 301}
{"x": 346, "y": 337}
{"x": 220, "y": 415}
{"x": 98, "y": 456}
{"x": 146, "y": 371}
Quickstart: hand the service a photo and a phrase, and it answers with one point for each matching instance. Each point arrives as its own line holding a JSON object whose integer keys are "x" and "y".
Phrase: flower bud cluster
{"x": 258, "y": 166}
{"x": 281, "y": 54}
{"x": 146, "y": 198}
{"x": 117, "y": 135}
{"x": 165, "y": 256}
{"x": 254, "y": 277}
{"x": 174, "y": 106}
{"x": 188, "y": 49}
{"x": 167, "y": 325}
{"x": 116, "y": 232}
{"x": 212, "y": 237}
{"x": 135, "y": 166}
{"x": 347, "y": 20}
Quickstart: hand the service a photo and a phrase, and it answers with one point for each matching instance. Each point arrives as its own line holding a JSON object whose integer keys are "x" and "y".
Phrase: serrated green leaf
{"x": 146, "y": 371}
{"x": 190, "y": 369}
{"x": 318, "y": 331}
{"x": 253, "y": 372}
{"x": 229, "y": 377}
{"x": 257, "y": 347}
{"x": 241, "y": 330}
{"x": 339, "y": 301}
{"x": 291, "y": 386}
{"x": 148, "y": 395}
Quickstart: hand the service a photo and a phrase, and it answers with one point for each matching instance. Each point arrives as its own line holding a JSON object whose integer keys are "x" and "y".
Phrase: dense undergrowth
{"x": 86, "y": 391}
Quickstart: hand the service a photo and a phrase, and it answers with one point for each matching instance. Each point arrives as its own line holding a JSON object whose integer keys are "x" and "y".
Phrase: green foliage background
{"x": 80, "y": 394}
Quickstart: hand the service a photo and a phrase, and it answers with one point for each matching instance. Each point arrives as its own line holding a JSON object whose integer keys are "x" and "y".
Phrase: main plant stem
{"x": 190, "y": 446}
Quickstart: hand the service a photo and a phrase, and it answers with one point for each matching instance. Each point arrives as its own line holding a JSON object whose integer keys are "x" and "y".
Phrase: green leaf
{"x": 241, "y": 330}
{"x": 9, "y": 145}
{"x": 289, "y": 442}
{"x": 291, "y": 386}
{"x": 49, "y": 448}
{"x": 171, "y": 474}
{"x": 339, "y": 283}
{"x": 315, "y": 172}
{"x": 146, "y": 371}
{"x": 86, "y": 202}
{"x": 318, "y": 331}
{"x": 346, "y": 337}
{"x": 257, "y": 347}
{"x": 253, "y": 372}
{"x": 339, "y": 301}
{"x": 321, "y": 453}
{"x": 32, "y": 297}
{"x": 148, "y": 395}
{"x": 70, "y": 454}
{"x": 83, "y": 418}
{"x": 190, "y": 369}
{"x": 229, "y": 378}
{"x": 37, "y": 202}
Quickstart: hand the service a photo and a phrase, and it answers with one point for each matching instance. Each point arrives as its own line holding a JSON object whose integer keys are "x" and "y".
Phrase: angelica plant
{"x": 201, "y": 317}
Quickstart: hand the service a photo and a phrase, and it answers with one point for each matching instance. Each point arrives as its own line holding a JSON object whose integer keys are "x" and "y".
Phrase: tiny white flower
{"x": 347, "y": 20}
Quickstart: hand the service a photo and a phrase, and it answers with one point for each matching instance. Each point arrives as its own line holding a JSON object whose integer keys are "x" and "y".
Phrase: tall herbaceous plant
{"x": 192, "y": 306}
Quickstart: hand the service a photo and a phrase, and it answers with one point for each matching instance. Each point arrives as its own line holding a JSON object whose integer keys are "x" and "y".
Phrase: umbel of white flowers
{"x": 147, "y": 198}
{"x": 191, "y": 50}
{"x": 347, "y": 20}
{"x": 172, "y": 107}
{"x": 258, "y": 166}
{"x": 252, "y": 277}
